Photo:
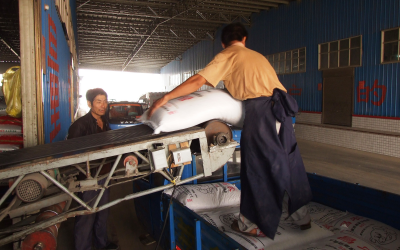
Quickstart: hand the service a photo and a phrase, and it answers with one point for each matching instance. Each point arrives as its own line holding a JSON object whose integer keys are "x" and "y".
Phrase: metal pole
{"x": 65, "y": 190}
{"x": 88, "y": 175}
{"x": 165, "y": 176}
{"x": 149, "y": 191}
{"x": 107, "y": 181}
{"x": 28, "y": 72}
{"x": 64, "y": 217}
{"x": 142, "y": 157}
{"x": 198, "y": 235}
{"x": 80, "y": 169}
{"x": 172, "y": 226}
{"x": 11, "y": 189}
{"x": 101, "y": 166}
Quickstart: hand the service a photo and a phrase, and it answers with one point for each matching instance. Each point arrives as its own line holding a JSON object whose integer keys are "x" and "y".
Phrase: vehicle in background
{"x": 124, "y": 114}
{"x": 149, "y": 98}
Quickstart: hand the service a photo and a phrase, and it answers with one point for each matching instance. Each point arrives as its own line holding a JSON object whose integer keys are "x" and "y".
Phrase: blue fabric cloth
{"x": 271, "y": 163}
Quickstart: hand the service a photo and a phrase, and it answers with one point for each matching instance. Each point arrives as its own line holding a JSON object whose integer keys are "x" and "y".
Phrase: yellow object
{"x": 12, "y": 91}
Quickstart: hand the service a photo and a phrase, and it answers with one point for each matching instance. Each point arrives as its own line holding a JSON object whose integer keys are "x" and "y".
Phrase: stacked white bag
{"x": 219, "y": 205}
{"x": 194, "y": 109}
{"x": 205, "y": 196}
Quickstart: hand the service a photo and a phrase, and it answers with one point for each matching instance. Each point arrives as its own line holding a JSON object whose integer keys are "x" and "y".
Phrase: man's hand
{"x": 156, "y": 105}
{"x": 189, "y": 86}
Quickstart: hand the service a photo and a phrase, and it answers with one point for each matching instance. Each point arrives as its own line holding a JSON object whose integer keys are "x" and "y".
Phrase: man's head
{"x": 233, "y": 32}
{"x": 97, "y": 101}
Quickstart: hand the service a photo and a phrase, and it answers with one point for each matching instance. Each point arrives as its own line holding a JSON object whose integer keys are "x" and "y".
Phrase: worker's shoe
{"x": 110, "y": 246}
{"x": 306, "y": 226}
{"x": 256, "y": 232}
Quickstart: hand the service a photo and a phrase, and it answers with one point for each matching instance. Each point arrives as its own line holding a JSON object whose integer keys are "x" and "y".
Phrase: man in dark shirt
{"x": 86, "y": 225}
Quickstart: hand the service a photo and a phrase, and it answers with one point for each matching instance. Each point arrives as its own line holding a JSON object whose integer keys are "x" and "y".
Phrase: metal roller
{"x": 45, "y": 239}
{"x": 217, "y": 132}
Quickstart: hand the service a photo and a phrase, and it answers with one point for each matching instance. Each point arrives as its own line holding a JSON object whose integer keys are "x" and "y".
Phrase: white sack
{"x": 288, "y": 235}
{"x": 7, "y": 129}
{"x": 196, "y": 108}
{"x": 8, "y": 147}
{"x": 206, "y": 196}
{"x": 342, "y": 241}
{"x": 324, "y": 215}
{"x": 380, "y": 235}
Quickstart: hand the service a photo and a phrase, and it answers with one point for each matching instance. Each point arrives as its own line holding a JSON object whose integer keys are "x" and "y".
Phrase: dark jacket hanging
{"x": 271, "y": 163}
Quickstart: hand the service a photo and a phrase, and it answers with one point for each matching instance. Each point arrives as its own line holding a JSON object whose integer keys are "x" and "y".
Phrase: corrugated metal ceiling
{"x": 145, "y": 35}
{"x": 138, "y": 35}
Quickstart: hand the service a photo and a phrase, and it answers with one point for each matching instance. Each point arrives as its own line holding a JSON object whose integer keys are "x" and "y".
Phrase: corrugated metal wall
{"x": 56, "y": 77}
{"x": 309, "y": 23}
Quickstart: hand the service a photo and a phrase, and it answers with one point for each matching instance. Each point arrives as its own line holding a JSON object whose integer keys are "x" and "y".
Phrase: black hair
{"x": 92, "y": 93}
{"x": 233, "y": 32}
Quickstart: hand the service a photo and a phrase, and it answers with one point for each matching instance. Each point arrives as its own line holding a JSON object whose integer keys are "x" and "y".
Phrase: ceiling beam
{"x": 153, "y": 28}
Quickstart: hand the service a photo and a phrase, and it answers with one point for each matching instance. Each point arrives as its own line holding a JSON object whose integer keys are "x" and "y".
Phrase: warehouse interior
{"x": 338, "y": 59}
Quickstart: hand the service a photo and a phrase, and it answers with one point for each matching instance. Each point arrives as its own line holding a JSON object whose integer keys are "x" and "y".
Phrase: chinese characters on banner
{"x": 54, "y": 82}
{"x": 295, "y": 90}
{"x": 363, "y": 93}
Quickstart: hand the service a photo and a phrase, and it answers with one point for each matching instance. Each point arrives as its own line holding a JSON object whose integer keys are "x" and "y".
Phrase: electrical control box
{"x": 159, "y": 159}
{"x": 181, "y": 155}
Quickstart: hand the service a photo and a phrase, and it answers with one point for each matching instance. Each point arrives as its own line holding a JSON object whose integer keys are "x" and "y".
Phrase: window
{"x": 390, "y": 46}
{"x": 340, "y": 54}
{"x": 292, "y": 61}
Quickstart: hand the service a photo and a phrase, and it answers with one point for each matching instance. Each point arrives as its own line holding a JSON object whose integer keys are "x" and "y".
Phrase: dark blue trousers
{"x": 87, "y": 226}
{"x": 271, "y": 164}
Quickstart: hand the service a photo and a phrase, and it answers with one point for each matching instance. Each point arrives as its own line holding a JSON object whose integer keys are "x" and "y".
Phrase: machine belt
{"x": 83, "y": 144}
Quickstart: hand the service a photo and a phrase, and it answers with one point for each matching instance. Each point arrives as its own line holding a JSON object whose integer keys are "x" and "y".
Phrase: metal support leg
{"x": 11, "y": 189}
{"x": 88, "y": 175}
{"x": 226, "y": 172}
{"x": 65, "y": 190}
{"x": 194, "y": 168}
{"x": 142, "y": 157}
{"x": 101, "y": 166}
{"x": 172, "y": 226}
{"x": 80, "y": 169}
{"x": 207, "y": 169}
{"x": 198, "y": 235}
{"x": 107, "y": 181}
{"x": 166, "y": 176}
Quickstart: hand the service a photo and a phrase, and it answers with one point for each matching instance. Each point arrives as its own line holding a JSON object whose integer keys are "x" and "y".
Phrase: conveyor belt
{"x": 83, "y": 144}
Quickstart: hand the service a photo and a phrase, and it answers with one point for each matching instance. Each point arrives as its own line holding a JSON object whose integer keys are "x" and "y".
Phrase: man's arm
{"x": 189, "y": 86}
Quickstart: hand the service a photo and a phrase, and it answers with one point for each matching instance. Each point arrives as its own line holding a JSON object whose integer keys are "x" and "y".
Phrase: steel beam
{"x": 28, "y": 68}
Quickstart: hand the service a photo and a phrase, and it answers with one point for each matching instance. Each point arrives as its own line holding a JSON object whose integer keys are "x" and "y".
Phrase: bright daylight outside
{"x": 120, "y": 86}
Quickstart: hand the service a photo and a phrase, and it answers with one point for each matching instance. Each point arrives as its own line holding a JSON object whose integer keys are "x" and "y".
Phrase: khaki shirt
{"x": 246, "y": 73}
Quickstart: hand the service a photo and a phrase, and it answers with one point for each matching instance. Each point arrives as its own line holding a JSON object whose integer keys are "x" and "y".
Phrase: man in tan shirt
{"x": 273, "y": 178}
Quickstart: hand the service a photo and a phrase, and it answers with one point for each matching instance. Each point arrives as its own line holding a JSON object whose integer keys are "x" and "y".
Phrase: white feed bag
{"x": 8, "y": 147}
{"x": 196, "y": 108}
{"x": 206, "y": 196}
{"x": 7, "y": 129}
{"x": 324, "y": 215}
{"x": 288, "y": 234}
{"x": 342, "y": 241}
{"x": 371, "y": 231}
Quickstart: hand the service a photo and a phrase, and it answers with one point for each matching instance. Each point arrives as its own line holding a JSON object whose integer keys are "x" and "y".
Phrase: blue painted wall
{"x": 309, "y": 23}
{"x": 56, "y": 78}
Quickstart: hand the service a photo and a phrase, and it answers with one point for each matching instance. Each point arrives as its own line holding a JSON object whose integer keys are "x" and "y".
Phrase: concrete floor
{"x": 367, "y": 169}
